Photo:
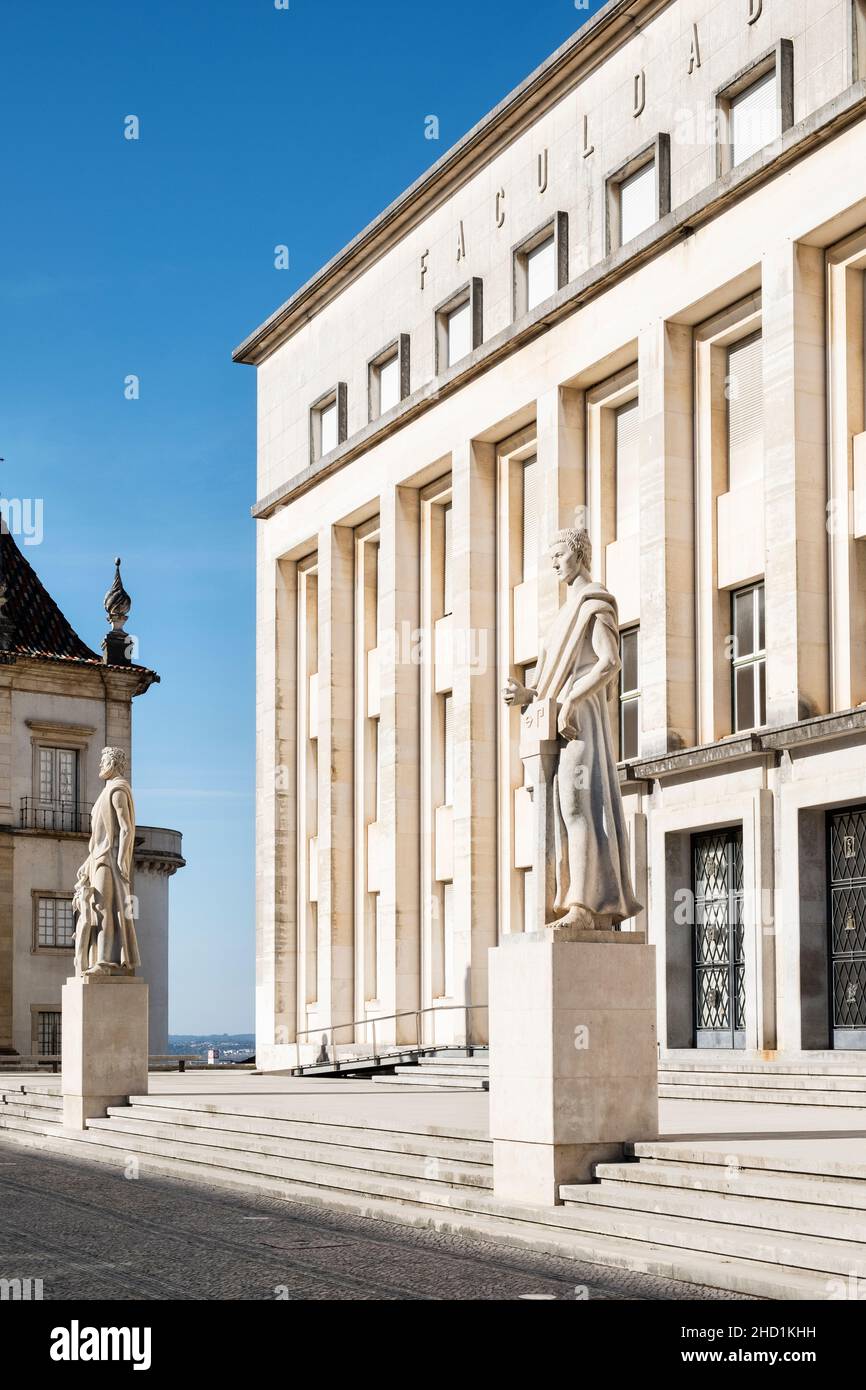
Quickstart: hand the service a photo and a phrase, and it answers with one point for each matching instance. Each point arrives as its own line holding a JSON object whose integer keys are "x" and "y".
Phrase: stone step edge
{"x": 839, "y": 1100}
{"x": 780, "y": 1218}
{"x": 668, "y": 1152}
{"x": 341, "y": 1121}
{"x": 748, "y": 1278}
{"x": 464, "y": 1173}
{"x": 791, "y": 1188}
{"x": 387, "y": 1140}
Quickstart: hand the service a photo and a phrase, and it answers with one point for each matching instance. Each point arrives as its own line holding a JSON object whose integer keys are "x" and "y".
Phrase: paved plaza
{"x": 89, "y": 1232}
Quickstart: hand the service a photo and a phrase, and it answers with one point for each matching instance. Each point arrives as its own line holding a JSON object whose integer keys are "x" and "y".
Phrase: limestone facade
{"x": 636, "y": 292}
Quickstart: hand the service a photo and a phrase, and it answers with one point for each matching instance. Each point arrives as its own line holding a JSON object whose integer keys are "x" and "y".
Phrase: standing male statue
{"x": 105, "y": 939}
{"x": 578, "y": 659}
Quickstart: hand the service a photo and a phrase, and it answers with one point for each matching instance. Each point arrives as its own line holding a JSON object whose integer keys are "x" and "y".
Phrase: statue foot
{"x": 579, "y": 918}
{"x": 103, "y": 967}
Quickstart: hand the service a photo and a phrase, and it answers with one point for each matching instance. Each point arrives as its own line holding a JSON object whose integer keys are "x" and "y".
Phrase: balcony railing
{"x": 70, "y": 816}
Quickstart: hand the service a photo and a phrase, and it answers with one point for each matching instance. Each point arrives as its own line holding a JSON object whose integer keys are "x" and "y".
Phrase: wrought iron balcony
{"x": 69, "y": 816}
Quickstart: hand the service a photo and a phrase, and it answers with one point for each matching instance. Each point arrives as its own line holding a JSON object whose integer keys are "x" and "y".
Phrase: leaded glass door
{"x": 719, "y": 965}
{"x": 847, "y": 914}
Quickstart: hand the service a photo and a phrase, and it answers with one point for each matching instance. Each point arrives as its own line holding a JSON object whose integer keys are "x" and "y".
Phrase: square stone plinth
{"x": 573, "y": 1058}
{"x": 104, "y": 1045}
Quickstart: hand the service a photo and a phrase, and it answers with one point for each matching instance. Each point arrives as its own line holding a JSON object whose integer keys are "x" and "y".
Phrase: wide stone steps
{"x": 441, "y": 1078}
{"x": 729, "y": 1180}
{"x": 248, "y": 1148}
{"x": 742, "y": 1092}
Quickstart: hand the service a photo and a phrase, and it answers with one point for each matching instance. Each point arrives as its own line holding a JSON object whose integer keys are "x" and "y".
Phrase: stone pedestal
{"x": 105, "y": 1044}
{"x": 573, "y": 1057}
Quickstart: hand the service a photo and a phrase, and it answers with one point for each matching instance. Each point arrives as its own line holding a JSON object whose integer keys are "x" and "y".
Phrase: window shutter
{"x": 754, "y": 118}
{"x": 531, "y": 517}
{"x": 745, "y": 389}
{"x": 447, "y": 566}
{"x": 628, "y": 471}
{"x": 638, "y": 203}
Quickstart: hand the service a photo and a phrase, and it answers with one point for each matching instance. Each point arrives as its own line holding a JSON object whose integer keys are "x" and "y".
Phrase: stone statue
{"x": 105, "y": 939}
{"x": 582, "y": 825}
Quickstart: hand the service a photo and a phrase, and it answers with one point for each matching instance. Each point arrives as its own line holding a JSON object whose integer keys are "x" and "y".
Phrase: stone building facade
{"x": 633, "y": 293}
{"x": 60, "y": 705}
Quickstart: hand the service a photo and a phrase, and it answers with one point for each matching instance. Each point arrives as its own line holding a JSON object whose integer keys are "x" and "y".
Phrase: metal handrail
{"x": 332, "y": 1028}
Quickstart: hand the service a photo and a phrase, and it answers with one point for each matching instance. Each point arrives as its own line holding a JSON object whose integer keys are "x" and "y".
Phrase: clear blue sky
{"x": 258, "y": 126}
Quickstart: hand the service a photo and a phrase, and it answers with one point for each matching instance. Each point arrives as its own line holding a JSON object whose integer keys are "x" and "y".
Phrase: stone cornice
{"x": 575, "y": 59}
{"x": 767, "y": 743}
{"x": 816, "y": 129}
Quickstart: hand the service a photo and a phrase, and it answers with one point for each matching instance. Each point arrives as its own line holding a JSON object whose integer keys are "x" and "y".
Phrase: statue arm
{"x": 605, "y": 645}
{"x": 126, "y": 833}
{"x": 523, "y": 695}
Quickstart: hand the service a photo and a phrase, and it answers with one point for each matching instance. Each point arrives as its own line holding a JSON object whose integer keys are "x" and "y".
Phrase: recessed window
{"x": 756, "y": 107}
{"x": 639, "y": 193}
{"x": 48, "y": 1034}
{"x": 627, "y": 420}
{"x": 448, "y": 748}
{"x": 447, "y": 561}
{"x": 55, "y": 923}
{"x": 540, "y": 265}
{"x": 58, "y": 777}
{"x": 744, "y": 389}
{"x": 754, "y": 118}
{"x": 638, "y": 197}
{"x": 458, "y": 326}
{"x": 389, "y": 377}
{"x": 629, "y": 695}
{"x": 749, "y": 659}
{"x": 328, "y": 423}
{"x": 531, "y": 517}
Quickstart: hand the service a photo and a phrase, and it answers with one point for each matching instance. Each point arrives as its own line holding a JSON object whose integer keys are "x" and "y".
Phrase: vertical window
{"x": 447, "y": 562}
{"x": 328, "y": 422}
{"x": 627, "y": 471}
{"x": 459, "y": 333}
{"x": 389, "y": 384}
{"x": 58, "y": 776}
{"x": 541, "y": 273}
{"x": 531, "y": 517}
{"x": 754, "y": 118}
{"x": 750, "y": 659}
{"x": 448, "y": 750}
{"x": 55, "y": 923}
{"x": 48, "y": 1034}
{"x": 745, "y": 394}
{"x": 448, "y": 939}
{"x": 638, "y": 203}
{"x": 629, "y": 695}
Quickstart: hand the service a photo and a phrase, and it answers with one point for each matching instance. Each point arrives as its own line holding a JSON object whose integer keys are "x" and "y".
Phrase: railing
{"x": 69, "y": 816}
{"x": 166, "y": 1062}
{"x": 370, "y": 1023}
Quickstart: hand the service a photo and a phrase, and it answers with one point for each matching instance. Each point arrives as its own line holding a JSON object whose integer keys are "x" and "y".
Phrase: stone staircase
{"x": 453, "y": 1072}
{"x": 835, "y": 1082}
{"x": 747, "y": 1224}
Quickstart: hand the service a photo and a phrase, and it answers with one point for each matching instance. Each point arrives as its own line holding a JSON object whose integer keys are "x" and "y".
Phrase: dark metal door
{"x": 719, "y": 965}
{"x": 847, "y": 916}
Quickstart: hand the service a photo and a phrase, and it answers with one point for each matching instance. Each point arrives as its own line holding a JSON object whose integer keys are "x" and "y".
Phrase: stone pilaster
{"x": 667, "y": 662}
{"x": 276, "y": 808}
{"x": 475, "y": 695}
{"x": 795, "y": 488}
{"x": 336, "y": 777}
{"x": 562, "y": 458}
{"x": 399, "y": 604}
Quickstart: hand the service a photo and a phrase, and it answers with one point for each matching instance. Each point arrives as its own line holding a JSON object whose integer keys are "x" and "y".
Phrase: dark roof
{"x": 38, "y": 628}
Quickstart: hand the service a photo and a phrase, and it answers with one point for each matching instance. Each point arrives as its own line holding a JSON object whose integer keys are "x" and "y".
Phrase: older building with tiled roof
{"x": 61, "y": 702}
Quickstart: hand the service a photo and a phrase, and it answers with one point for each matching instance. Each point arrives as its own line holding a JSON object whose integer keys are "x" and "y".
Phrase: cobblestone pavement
{"x": 89, "y": 1233}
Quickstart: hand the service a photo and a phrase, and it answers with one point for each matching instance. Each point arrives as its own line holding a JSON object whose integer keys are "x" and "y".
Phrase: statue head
{"x": 112, "y": 763}
{"x": 571, "y": 553}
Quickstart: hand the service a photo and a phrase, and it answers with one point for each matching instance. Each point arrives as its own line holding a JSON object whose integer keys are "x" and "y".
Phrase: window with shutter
{"x": 627, "y": 471}
{"x": 638, "y": 203}
{"x": 755, "y": 118}
{"x": 745, "y": 393}
{"x": 531, "y": 517}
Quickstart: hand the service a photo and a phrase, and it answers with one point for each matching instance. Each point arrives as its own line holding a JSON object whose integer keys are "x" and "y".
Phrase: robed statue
{"x": 577, "y": 661}
{"x": 105, "y": 938}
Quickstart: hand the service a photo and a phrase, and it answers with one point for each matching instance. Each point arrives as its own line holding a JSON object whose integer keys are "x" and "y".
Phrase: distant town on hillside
{"x": 232, "y": 1047}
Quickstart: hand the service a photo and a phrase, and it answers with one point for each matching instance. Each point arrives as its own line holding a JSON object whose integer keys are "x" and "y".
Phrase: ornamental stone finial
{"x": 117, "y": 603}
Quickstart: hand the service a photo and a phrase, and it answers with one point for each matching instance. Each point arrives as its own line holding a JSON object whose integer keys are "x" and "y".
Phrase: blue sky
{"x": 155, "y": 257}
